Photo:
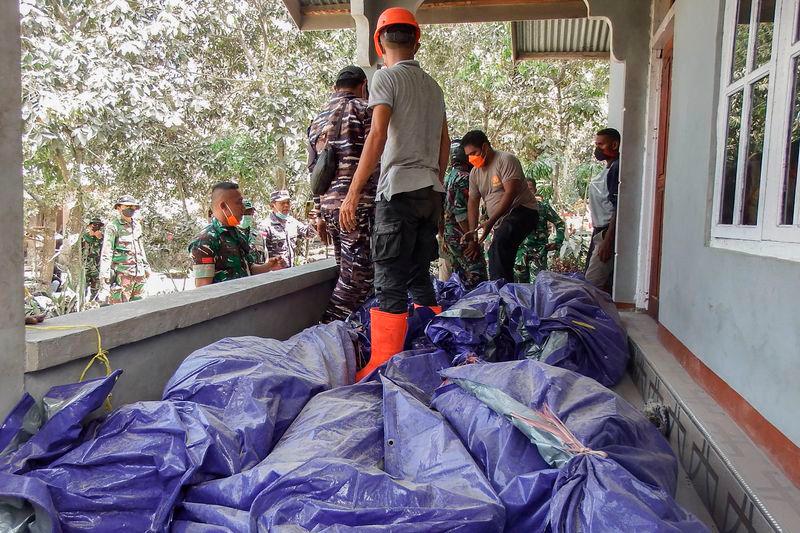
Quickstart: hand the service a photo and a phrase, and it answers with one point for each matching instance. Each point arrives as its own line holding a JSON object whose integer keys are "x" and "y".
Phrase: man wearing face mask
{"x": 282, "y": 230}
{"x": 91, "y": 246}
{"x": 221, "y": 251}
{"x": 348, "y": 109}
{"x": 251, "y": 232}
{"x": 124, "y": 268}
{"x": 456, "y": 185}
{"x": 603, "y": 191}
{"x": 498, "y": 179}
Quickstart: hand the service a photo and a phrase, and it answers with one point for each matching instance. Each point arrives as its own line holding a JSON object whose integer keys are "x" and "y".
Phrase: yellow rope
{"x": 101, "y": 355}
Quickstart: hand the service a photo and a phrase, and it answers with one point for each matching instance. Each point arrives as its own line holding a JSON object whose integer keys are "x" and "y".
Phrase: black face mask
{"x": 128, "y": 212}
{"x": 599, "y": 155}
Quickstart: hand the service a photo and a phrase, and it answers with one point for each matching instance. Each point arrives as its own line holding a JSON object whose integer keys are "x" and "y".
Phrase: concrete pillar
{"x": 630, "y": 43}
{"x": 365, "y": 13}
{"x": 12, "y": 332}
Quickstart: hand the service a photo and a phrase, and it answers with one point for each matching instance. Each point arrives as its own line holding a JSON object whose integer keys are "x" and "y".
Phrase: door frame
{"x": 661, "y": 36}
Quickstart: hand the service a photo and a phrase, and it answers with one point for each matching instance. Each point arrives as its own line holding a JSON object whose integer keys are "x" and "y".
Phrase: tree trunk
{"x": 280, "y": 176}
{"x": 48, "y": 249}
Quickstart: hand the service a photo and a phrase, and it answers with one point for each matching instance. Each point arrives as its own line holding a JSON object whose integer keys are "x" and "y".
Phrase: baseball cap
{"x": 351, "y": 73}
{"x": 278, "y": 196}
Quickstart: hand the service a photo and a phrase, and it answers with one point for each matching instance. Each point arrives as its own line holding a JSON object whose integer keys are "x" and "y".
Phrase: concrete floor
{"x": 686, "y": 494}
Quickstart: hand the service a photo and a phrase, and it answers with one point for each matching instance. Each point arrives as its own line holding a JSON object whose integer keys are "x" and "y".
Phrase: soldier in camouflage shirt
{"x": 221, "y": 251}
{"x": 532, "y": 253}
{"x": 123, "y": 261}
{"x": 91, "y": 247}
{"x": 351, "y": 249}
{"x": 252, "y": 233}
{"x": 456, "y": 186}
{"x": 281, "y": 230}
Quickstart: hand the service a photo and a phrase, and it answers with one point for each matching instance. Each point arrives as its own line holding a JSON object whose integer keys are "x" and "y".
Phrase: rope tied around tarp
{"x": 552, "y": 424}
{"x": 101, "y": 355}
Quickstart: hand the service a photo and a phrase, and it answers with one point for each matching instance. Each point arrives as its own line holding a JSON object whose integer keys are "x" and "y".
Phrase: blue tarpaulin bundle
{"x": 621, "y": 476}
{"x": 259, "y": 435}
{"x": 560, "y": 320}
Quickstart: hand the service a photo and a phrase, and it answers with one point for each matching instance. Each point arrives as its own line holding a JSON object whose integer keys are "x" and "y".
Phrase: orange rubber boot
{"x": 388, "y": 334}
{"x": 435, "y": 308}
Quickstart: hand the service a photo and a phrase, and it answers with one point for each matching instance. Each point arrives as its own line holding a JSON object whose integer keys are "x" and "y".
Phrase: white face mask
{"x": 247, "y": 221}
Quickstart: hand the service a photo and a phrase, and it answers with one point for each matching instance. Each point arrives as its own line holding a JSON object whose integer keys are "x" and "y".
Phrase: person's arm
{"x": 606, "y": 249}
{"x": 273, "y": 263}
{"x": 370, "y": 157}
{"x": 148, "y": 270}
{"x": 558, "y": 222}
{"x": 444, "y": 151}
{"x": 204, "y": 262}
{"x": 107, "y": 252}
{"x": 473, "y": 212}
{"x": 511, "y": 189}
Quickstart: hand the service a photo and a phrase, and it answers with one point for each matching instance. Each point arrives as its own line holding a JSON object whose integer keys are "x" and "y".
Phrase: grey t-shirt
{"x": 487, "y": 182}
{"x": 410, "y": 159}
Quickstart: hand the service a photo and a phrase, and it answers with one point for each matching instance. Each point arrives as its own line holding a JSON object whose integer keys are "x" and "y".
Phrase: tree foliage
{"x": 162, "y": 98}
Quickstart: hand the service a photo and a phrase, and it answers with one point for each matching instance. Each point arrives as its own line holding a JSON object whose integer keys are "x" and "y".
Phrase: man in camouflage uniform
{"x": 281, "y": 230}
{"x": 123, "y": 261}
{"x": 91, "y": 246}
{"x": 221, "y": 251}
{"x": 251, "y": 232}
{"x": 532, "y": 253}
{"x": 456, "y": 186}
{"x": 352, "y": 249}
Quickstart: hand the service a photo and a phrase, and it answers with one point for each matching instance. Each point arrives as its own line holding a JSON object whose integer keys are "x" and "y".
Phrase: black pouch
{"x": 325, "y": 167}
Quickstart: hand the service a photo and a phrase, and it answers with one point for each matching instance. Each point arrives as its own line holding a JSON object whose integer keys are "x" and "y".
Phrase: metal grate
{"x": 581, "y": 37}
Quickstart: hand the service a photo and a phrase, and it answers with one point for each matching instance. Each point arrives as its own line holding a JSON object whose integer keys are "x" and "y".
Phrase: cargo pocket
{"x": 386, "y": 241}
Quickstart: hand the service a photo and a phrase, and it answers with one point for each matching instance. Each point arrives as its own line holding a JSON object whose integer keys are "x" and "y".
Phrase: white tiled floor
{"x": 686, "y": 495}
{"x": 765, "y": 479}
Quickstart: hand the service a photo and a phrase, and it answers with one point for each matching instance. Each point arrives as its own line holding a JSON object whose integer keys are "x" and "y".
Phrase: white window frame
{"x": 766, "y": 237}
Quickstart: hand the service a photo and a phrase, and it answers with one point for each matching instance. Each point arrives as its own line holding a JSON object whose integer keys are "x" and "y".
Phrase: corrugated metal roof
{"x": 318, "y": 3}
{"x": 580, "y": 37}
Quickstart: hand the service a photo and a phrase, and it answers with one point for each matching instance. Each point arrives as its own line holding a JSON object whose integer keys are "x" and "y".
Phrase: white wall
{"x": 737, "y": 313}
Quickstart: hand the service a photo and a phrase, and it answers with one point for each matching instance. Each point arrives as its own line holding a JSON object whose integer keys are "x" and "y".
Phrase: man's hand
{"x": 347, "y": 213}
{"x": 322, "y": 230}
{"x": 469, "y": 237}
{"x": 276, "y": 263}
{"x": 606, "y": 249}
{"x": 472, "y": 250}
{"x": 148, "y": 273}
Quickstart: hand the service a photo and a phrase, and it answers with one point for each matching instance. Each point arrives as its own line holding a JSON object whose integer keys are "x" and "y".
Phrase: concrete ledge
{"x": 125, "y": 324}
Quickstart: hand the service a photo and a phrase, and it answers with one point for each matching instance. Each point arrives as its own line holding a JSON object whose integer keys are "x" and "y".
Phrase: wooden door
{"x": 661, "y": 178}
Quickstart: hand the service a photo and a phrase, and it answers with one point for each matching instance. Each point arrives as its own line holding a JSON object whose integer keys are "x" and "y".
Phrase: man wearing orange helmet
{"x": 409, "y": 138}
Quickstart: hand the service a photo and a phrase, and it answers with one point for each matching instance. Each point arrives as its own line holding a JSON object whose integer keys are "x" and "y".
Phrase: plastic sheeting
{"x": 560, "y": 320}
{"x": 260, "y": 435}
{"x": 361, "y": 457}
{"x": 630, "y": 490}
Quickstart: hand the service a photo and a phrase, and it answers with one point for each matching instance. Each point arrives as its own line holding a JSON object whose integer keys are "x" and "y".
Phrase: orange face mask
{"x": 477, "y": 161}
{"x": 230, "y": 219}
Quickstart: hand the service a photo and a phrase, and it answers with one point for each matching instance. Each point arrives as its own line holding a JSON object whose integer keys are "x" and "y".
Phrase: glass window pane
{"x": 731, "y": 158}
{"x": 755, "y": 151}
{"x": 740, "y": 39}
{"x": 766, "y": 24}
{"x": 790, "y": 181}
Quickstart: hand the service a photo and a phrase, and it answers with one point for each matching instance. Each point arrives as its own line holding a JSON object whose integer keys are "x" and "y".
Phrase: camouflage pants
{"x": 127, "y": 288}
{"x": 471, "y": 271}
{"x": 528, "y": 264}
{"x": 353, "y": 255}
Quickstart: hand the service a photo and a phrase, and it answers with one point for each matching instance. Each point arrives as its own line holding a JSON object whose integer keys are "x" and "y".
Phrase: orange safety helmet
{"x": 390, "y": 17}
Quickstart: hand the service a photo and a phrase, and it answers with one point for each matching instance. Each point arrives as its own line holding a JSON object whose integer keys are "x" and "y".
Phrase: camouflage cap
{"x": 278, "y": 196}
{"x": 96, "y": 220}
{"x": 127, "y": 199}
{"x": 248, "y": 204}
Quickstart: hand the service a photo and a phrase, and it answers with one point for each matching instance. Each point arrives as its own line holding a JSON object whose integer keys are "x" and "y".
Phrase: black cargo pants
{"x": 403, "y": 246}
{"x": 507, "y": 237}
